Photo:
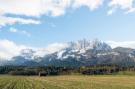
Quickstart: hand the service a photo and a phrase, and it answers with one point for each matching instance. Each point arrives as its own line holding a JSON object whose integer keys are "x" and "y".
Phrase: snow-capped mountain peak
{"x": 82, "y": 52}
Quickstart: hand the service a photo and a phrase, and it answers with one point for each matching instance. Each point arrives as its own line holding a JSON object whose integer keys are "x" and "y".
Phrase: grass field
{"x": 68, "y": 82}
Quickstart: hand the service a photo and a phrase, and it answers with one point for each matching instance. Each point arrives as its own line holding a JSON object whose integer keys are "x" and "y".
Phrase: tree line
{"x": 52, "y": 70}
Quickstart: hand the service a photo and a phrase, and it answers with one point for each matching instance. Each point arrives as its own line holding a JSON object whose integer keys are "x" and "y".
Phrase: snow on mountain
{"x": 64, "y": 49}
{"x": 108, "y": 53}
{"x": 59, "y": 54}
{"x": 81, "y": 47}
{"x": 87, "y": 44}
{"x": 78, "y": 53}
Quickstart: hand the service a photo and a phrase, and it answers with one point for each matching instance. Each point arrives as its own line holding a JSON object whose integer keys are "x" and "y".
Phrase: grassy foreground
{"x": 68, "y": 82}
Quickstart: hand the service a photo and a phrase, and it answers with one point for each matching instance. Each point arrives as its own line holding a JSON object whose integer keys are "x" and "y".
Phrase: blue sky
{"x": 112, "y": 20}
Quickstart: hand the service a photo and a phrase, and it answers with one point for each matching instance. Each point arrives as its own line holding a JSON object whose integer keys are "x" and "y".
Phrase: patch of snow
{"x": 108, "y": 53}
{"x": 65, "y": 57}
{"x": 82, "y": 51}
{"x": 59, "y": 54}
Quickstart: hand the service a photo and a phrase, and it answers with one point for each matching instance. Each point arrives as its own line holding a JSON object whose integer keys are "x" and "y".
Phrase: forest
{"x": 52, "y": 70}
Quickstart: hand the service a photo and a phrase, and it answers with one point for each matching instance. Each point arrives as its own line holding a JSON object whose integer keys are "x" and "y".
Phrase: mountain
{"x": 82, "y": 52}
{"x": 3, "y": 62}
{"x": 123, "y": 50}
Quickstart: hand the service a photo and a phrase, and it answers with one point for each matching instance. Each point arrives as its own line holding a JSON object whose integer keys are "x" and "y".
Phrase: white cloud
{"x": 91, "y": 4}
{"x": 40, "y": 7}
{"x": 122, "y": 4}
{"x": 55, "y": 7}
{"x": 127, "y": 44}
{"x": 10, "y": 21}
{"x": 56, "y": 47}
{"x": 34, "y": 7}
{"x": 37, "y": 8}
{"x": 51, "y": 49}
{"x": 9, "y": 49}
{"x": 14, "y": 30}
{"x": 110, "y": 12}
{"x": 20, "y": 7}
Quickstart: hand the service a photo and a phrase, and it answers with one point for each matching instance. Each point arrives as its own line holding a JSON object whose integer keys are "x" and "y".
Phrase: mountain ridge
{"x": 82, "y": 52}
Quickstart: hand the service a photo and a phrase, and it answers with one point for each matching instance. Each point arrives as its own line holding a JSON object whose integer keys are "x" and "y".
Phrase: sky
{"x": 38, "y": 23}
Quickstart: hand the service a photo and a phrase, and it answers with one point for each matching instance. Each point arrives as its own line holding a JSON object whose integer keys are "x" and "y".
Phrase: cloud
{"x": 91, "y": 4}
{"x": 52, "y": 48}
{"x": 34, "y": 7}
{"x": 121, "y": 4}
{"x": 56, "y": 47}
{"x": 11, "y": 20}
{"x": 110, "y": 12}
{"x": 54, "y": 8}
{"x": 127, "y": 44}
{"x": 9, "y": 49}
{"x": 37, "y": 8}
{"x": 14, "y": 30}
{"x": 20, "y": 7}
